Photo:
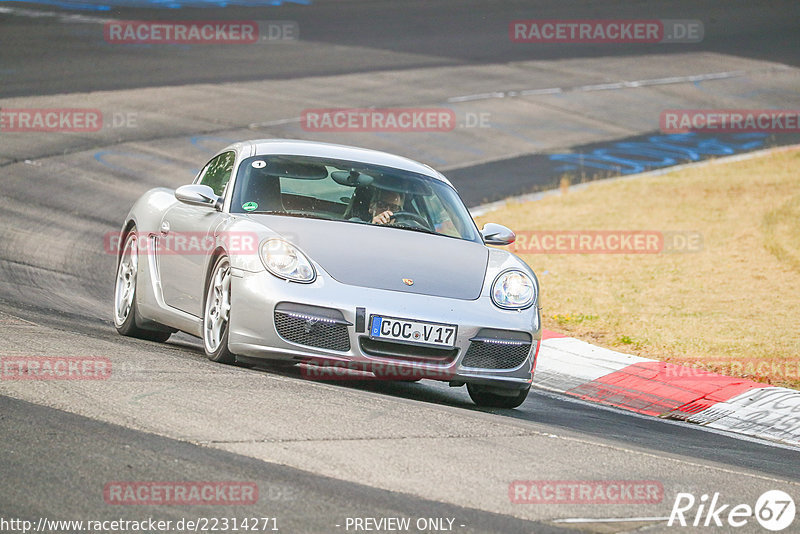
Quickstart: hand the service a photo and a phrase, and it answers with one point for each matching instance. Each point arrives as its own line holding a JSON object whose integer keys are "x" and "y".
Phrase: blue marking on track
{"x": 108, "y": 5}
{"x": 659, "y": 151}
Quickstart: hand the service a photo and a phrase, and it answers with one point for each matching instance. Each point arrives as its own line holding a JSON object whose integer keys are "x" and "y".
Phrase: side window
{"x": 442, "y": 221}
{"x": 217, "y": 172}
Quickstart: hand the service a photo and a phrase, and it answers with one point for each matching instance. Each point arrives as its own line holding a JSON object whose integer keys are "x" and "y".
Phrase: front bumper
{"x": 335, "y": 318}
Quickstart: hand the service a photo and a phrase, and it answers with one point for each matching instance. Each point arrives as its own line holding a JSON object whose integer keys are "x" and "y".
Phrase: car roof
{"x": 296, "y": 147}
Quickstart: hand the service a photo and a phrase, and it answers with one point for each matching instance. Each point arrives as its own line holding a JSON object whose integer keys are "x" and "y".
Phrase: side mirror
{"x": 198, "y": 195}
{"x": 497, "y": 234}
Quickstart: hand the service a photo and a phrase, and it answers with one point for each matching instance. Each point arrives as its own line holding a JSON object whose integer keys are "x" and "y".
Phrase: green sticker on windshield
{"x": 249, "y": 206}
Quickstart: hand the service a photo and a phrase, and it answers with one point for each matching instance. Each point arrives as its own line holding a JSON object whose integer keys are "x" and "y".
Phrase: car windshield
{"x": 351, "y": 191}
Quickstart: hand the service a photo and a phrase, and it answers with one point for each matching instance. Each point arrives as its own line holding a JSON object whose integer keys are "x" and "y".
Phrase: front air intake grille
{"x": 497, "y": 349}
{"x": 485, "y": 355}
{"x": 404, "y": 351}
{"x": 312, "y": 326}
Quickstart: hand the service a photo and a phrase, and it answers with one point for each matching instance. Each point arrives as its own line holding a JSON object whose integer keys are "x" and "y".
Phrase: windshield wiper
{"x": 416, "y": 229}
{"x": 308, "y": 215}
{"x": 296, "y": 213}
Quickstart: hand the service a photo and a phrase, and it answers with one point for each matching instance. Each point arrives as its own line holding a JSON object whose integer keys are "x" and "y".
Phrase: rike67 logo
{"x": 774, "y": 510}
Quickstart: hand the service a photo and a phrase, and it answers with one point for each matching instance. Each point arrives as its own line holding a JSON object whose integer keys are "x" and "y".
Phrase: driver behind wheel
{"x": 384, "y": 205}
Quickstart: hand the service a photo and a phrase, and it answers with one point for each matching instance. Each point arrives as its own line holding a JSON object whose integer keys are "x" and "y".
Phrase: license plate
{"x": 410, "y": 331}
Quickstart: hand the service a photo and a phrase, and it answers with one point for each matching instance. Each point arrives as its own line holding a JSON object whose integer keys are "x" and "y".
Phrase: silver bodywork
{"x": 360, "y": 270}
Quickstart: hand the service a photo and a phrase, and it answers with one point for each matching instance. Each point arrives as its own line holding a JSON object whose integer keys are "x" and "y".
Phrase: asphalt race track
{"x": 322, "y": 452}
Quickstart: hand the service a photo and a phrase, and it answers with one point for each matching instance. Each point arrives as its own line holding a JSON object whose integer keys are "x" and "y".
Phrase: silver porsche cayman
{"x": 335, "y": 258}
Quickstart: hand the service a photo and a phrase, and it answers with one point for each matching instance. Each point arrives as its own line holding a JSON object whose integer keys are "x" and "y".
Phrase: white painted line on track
{"x": 609, "y": 519}
{"x": 623, "y": 84}
{"x": 63, "y": 17}
{"x": 560, "y": 395}
{"x": 277, "y": 122}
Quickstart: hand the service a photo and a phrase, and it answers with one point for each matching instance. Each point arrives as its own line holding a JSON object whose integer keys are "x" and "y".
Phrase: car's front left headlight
{"x": 284, "y": 260}
{"x": 513, "y": 289}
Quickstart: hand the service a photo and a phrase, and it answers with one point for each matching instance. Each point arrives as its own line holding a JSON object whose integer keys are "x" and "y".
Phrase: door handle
{"x": 165, "y": 227}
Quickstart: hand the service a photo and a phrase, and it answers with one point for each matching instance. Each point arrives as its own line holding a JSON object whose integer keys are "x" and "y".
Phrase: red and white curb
{"x": 574, "y": 367}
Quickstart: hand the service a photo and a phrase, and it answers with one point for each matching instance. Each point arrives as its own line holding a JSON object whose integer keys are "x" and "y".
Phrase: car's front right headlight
{"x": 513, "y": 289}
{"x": 284, "y": 260}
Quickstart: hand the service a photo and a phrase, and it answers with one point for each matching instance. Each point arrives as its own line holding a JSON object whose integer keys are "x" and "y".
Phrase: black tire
{"x": 125, "y": 320}
{"x": 220, "y": 353}
{"x": 487, "y": 399}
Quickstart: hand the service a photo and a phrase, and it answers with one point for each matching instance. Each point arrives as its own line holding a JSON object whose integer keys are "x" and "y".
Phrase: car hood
{"x": 382, "y": 257}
